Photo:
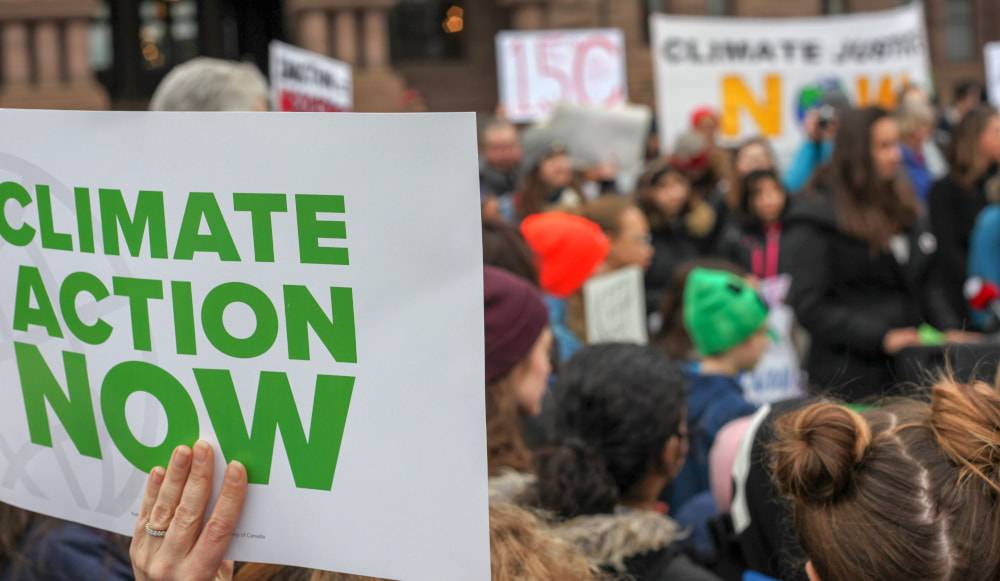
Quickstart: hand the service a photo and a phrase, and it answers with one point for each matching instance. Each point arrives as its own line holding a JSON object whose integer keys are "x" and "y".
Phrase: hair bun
{"x": 966, "y": 422}
{"x": 816, "y": 451}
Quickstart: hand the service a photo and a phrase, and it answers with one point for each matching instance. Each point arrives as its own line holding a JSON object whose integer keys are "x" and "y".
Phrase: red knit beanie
{"x": 515, "y": 317}
{"x": 569, "y": 248}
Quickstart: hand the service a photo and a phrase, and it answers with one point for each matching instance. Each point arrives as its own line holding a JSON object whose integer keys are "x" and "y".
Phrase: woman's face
{"x": 531, "y": 376}
{"x": 556, "y": 171}
{"x": 753, "y": 157}
{"x": 671, "y": 194}
{"x": 886, "y": 155}
{"x": 767, "y": 201}
{"x": 989, "y": 139}
{"x": 631, "y": 246}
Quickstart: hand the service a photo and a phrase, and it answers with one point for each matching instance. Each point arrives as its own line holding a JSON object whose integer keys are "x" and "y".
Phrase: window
{"x": 427, "y": 30}
{"x": 168, "y": 32}
{"x": 835, "y": 7}
{"x": 718, "y": 7}
{"x": 101, "y": 46}
{"x": 959, "y": 41}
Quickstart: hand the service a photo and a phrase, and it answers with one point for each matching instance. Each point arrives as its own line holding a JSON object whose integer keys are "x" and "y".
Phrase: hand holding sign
{"x": 169, "y": 540}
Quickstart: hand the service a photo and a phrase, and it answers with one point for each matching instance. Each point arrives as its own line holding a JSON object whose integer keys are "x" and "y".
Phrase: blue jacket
{"x": 566, "y": 342}
{"x": 713, "y": 402}
{"x": 984, "y": 251}
{"x": 58, "y": 551}
{"x": 809, "y": 157}
{"x": 920, "y": 176}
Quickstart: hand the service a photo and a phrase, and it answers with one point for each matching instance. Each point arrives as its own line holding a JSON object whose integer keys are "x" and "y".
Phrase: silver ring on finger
{"x": 153, "y": 532}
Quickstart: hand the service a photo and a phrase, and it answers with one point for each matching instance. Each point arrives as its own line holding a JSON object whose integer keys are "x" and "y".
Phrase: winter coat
{"x": 984, "y": 251}
{"x": 848, "y": 296}
{"x": 692, "y": 236}
{"x": 919, "y": 173}
{"x": 713, "y": 402}
{"x": 808, "y": 158}
{"x": 754, "y": 248}
{"x": 952, "y": 210}
{"x": 59, "y": 551}
{"x": 640, "y": 543}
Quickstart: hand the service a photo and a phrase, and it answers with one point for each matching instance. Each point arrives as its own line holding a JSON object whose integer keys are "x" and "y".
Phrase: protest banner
{"x": 991, "y": 60}
{"x": 763, "y": 75}
{"x": 302, "y": 80}
{"x": 623, "y": 132}
{"x": 778, "y": 375}
{"x": 615, "y": 307}
{"x": 261, "y": 282}
{"x": 537, "y": 70}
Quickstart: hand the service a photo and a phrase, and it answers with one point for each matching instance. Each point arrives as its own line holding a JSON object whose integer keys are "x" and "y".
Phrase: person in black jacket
{"x": 752, "y": 237}
{"x": 619, "y": 439}
{"x": 683, "y": 226}
{"x": 955, "y": 200}
{"x": 862, "y": 263}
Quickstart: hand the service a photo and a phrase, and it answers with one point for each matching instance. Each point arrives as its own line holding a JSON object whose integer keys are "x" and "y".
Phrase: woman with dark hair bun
{"x": 619, "y": 440}
{"x": 863, "y": 264}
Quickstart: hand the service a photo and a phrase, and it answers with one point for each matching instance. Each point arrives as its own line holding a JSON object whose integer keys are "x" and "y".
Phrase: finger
{"x": 207, "y": 554}
{"x": 190, "y": 511}
{"x": 153, "y": 484}
{"x": 170, "y": 491}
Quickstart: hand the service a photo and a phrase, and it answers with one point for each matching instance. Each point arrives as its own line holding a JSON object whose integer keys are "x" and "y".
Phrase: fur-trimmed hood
{"x": 608, "y": 540}
{"x": 611, "y": 539}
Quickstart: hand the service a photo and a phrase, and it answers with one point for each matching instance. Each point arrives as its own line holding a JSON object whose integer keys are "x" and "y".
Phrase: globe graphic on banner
{"x": 827, "y": 90}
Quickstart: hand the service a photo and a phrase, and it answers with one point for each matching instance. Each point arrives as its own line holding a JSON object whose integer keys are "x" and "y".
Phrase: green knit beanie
{"x": 721, "y": 310}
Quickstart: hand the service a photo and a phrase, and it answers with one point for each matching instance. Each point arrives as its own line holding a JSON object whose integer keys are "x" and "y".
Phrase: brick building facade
{"x": 101, "y": 53}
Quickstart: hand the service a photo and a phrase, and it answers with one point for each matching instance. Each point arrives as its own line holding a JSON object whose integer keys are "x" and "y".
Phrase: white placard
{"x": 538, "y": 70}
{"x": 623, "y": 132}
{"x": 763, "y": 74}
{"x": 257, "y": 243}
{"x": 991, "y": 60}
{"x": 302, "y": 80}
{"x": 615, "y": 307}
{"x": 778, "y": 375}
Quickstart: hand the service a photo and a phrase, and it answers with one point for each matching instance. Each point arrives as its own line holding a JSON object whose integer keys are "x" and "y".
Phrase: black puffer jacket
{"x": 848, "y": 297}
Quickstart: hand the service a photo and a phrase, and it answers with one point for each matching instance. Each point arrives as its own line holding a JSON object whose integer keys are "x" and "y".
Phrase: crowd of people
{"x": 650, "y": 462}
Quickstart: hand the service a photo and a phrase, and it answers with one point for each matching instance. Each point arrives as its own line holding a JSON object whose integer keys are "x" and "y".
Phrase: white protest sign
{"x": 537, "y": 70}
{"x": 778, "y": 375}
{"x": 261, "y": 282}
{"x": 991, "y": 60}
{"x": 615, "y": 307}
{"x": 762, "y": 75}
{"x": 623, "y": 132}
{"x": 302, "y": 80}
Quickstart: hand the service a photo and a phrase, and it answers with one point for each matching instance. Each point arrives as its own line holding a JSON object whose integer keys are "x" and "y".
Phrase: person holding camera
{"x": 820, "y": 125}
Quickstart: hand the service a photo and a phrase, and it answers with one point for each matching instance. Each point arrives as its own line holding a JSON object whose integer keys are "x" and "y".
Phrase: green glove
{"x": 930, "y": 337}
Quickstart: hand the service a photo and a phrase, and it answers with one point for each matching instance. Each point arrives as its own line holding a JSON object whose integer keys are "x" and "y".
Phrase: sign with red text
{"x": 763, "y": 75}
{"x": 170, "y": 277}
{"x": 302, "y": 80}
{"x": 538, "y": 70}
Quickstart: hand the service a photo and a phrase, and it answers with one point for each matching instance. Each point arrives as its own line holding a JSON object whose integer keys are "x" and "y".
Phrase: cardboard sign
{"x": 302, "y": 80}
{"x": 261, "y": 282}
{"x": 623, "y": 132}
{"x": 991, "y": 60}
{"x": 539, "y": 69}
{"x": 764, "y": 74}
{"x": 778, "y": 375}
{"x": 615, "y": 306}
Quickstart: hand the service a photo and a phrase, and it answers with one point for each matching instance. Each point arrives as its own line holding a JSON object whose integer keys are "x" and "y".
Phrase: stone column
{"x": 77, "y": 50}
{"x": 376, "y": 38}
{"x": 47, "y": 52}
{"x": 16, "y": 68}
{"x": 346, "y": 35}
{"x": 314, "y": 31}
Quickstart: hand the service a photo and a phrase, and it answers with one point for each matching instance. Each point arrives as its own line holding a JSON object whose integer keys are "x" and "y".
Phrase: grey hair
{"x": 207, "y": 84}
{"x": 912, "y": 115}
